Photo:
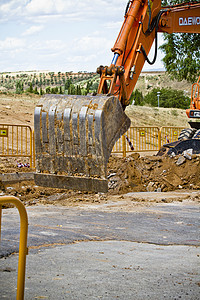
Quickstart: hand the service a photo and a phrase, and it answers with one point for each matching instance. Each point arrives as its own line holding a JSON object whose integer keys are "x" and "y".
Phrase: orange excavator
{"x": 194, "y": 110}
{"x": 194, "y": 113}
{"x": 189, "y": 138}
{"x": 74, "y": 135}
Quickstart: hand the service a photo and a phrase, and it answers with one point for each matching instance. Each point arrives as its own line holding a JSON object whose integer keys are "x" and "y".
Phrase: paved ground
{"x": 148, "y": 253}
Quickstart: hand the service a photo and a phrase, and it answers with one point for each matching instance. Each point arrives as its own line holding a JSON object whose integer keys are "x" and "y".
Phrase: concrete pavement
{"x": 149, "y": 253}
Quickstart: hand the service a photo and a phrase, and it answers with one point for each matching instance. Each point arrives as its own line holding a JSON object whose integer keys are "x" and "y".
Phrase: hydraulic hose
{"x": 154, "y": 24}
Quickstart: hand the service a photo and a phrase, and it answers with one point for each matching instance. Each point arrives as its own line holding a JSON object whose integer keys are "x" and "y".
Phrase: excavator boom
{"x": 182, "y": 18}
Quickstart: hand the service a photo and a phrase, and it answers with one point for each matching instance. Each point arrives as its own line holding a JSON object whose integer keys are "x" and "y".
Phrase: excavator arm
{"x": 142, "y": 21}
{"x": 74, "y": 135}
{"x": 182, "y": 18}
{"x": 136, "y": 35}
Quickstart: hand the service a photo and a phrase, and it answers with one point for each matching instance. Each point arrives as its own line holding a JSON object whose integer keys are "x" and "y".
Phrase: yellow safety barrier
{"x": 142, "y": 138}
{"x": 16, "y": 141}
{"x": 146, "y": 139}
{"x": 169, "y": 134}
{"x": 23, "y": 250}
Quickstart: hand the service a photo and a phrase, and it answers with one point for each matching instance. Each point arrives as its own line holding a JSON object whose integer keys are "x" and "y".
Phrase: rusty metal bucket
{"x": 74, "y": 136}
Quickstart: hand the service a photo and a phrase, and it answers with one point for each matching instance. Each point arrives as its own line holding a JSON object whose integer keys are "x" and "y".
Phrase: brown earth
{"x": 132, "y": 174}
{"x": 17, "y": 109}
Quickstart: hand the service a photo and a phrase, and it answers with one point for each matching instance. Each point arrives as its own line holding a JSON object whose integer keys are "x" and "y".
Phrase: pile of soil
{"x": 153, "y": 173}
{"x": 130, "y": 174}
{"x": 14, "y": 165}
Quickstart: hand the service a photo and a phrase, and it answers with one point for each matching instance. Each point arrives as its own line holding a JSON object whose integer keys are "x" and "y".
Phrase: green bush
{"x": 168, "y": 98}
{"x": 19, "y": 87}
{"x": 137, "y": 97}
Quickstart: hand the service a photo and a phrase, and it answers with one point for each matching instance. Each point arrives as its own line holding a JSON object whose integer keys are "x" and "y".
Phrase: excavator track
{"x": 74, "y": 137}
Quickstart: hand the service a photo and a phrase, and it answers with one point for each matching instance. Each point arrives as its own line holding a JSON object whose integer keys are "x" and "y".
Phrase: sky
{"x": 61, "y": 35}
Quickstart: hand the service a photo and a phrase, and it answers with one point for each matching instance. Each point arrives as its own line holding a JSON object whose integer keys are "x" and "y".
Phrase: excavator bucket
{"x": 74, "y": 136}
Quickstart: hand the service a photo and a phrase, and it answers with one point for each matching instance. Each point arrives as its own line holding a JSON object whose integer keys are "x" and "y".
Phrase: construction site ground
{"x": 138, "y": 241}
{"x": 103, "y": 251}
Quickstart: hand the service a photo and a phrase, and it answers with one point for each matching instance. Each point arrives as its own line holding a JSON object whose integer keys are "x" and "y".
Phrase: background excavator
{"x": 189, "y": 138}
{"x": 74, "y": 135}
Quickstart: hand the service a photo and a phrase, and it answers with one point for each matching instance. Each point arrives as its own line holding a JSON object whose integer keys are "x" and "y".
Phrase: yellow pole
{"x": 159, "y": 138}
{"x": 124, "y": 145}
{"x": 31, "y": 147}
{"x": 8, "y": 141}
{"x": 33, "y": 151}
{"x": 0, "y": 221}
{"x": 21, "y": 140}
{"x": 12, "y": 139}
{"x": 23, "y": 250}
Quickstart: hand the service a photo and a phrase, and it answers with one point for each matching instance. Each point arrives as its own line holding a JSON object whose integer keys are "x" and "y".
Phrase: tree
{"x": 48, "y": 90}
{"x": 19, "y": 87}
{"x": 30, "y": 89}
{"x": 137, "y": 97}
{"x": 71, "y": 90}
{"x": 36, "y": 91}
{"x": 60, "y": 90}
{"x": 63, "y": 80}
{"x": 182, "y": 55}
{"x": 54, "y": 90}
{"x": 68, "y": 83}
{"x": 88, "y": 87}
{"x": 94, "y": 86}
{"x": 78, "y": 90}
{"x": 41, "y": 92}
{"x": 168, "y": 98}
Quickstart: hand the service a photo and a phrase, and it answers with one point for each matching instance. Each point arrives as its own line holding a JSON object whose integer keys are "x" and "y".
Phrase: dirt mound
{"x": 153, "y": 173}
{"x": 13, "y": 165}
{"x": 130, "y": 174}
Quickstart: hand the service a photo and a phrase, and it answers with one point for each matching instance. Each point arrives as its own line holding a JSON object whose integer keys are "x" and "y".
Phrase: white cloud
{"x": 51, "y": 6}
{"x": 59, "y": 34}
{"x": 7, "y": 6}
{"x": 113, "y": 25}
{"x": 11, "y": 9}
{"x": 90, "y": 43}
{"x": 41, "y": 7}
{"x": 11, "y": 43}
{"x": 33, "y": 29}
{"x": 65, "y": 9}
{"x": 48, "y": 46}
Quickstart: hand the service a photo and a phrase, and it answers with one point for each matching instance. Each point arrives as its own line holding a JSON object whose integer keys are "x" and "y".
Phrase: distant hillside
{"x": 87, "y": 80}
{"x": 19, "y": 109}
{"x": 148, "y": 80}
{"x": 152, "y": 116}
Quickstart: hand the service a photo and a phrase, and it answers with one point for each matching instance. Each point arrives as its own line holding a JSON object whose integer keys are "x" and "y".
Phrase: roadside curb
{"x": 16, "y": 177}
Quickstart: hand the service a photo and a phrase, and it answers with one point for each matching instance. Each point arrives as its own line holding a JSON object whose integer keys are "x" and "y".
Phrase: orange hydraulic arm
{"x": 181, "y": 18}
{"x": 142, "y": 20}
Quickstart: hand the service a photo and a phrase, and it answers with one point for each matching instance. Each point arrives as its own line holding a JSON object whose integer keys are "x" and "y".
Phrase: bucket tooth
{"x": 74, "y": 137}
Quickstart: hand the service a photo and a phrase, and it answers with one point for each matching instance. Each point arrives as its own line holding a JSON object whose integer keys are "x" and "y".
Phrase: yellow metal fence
{"x": 146, "y": 139}
{"x": 142, "y": 139}
{"x": 169, "y": 134}
{"x": 16, "y": 141}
